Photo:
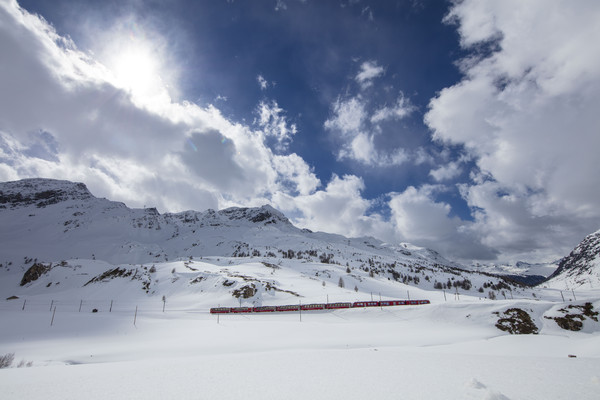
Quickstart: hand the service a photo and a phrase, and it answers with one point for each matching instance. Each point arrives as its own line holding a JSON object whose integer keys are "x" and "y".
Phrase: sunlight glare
{"x": 136, "y": 59}
{"x": 137, "y": 71}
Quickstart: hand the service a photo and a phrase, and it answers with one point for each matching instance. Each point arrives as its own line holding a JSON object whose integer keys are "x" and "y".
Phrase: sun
{"x": 137, "y": 70}
{"x": 139, "y": 61}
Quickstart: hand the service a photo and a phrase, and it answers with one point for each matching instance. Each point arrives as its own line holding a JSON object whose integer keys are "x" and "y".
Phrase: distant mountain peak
{"x": 40, "y": 192}
{"x": 265, "y": 214}
{"x": 582, "y": 264}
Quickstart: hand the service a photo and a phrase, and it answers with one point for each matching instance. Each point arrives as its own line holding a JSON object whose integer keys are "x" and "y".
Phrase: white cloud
{"x": 280, "y": 5}
{"x": 292, "y": 168}
{"x": 272, "y": 120}
{"x": 446, "y": 172}
{"x": 522, "y": 224}
{"x": 368, "y": 13}
{"x": 350, "y": 122}
{"x": 528, "y": 112}
{"x": 360, "y": 149}
{"x": 63, "y": 115}
{"x": 402, "y": 109}
{"x": 339, "y": 208}
{"x": 348, "y": 115}
{"x": 369, "y": 70}
{"x": 419, "y": 218}
{"x": 262, "y": 82}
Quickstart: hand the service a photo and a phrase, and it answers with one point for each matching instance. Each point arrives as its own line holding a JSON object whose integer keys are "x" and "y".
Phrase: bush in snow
{"x": 516, "y": 321}
{"x": 7, "y": 360}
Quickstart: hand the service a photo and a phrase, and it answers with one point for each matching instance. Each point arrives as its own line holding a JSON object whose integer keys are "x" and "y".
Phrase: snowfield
{"x": 109, "y": 302}
{"x": 449, "y": 349}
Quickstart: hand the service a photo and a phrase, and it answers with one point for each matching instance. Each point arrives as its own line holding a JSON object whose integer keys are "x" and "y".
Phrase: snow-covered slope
{"x": 61, "y": 227}
{"x": 581, "y": 267}
{"x": 111, "y": 302}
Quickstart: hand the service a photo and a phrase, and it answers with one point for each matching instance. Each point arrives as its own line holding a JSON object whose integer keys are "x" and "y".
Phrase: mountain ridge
{"x": 60, "y": 224}
{"x": 581, "y": 267}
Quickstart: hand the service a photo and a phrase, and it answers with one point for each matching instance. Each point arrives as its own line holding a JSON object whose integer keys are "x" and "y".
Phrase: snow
{"x": 449, "y": 349}
{"x": 397, "y": 352}
{"x": 130, "y": 348}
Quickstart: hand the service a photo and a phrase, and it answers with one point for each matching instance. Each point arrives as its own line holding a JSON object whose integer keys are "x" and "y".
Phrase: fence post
{"x": 52, "y": 302}
{"x": 80, "y": 303}
{"x": 110, "y": 310}
{"x": 135, "y": 316}
{"x": 561, "y": 295}
{"x": 54, "y": 312}
{"x": 24, "y": 302}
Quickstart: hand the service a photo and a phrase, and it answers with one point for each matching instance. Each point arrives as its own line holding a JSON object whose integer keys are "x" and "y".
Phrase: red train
{"x": 318, "y": 306}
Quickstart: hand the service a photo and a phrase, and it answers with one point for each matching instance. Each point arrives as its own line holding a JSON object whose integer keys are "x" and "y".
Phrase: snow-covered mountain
{"x": 67, "y": 233}
{"x": 581, "y": 268}
{"x": 521, "y": 271}
{"x": 91, "y": 289}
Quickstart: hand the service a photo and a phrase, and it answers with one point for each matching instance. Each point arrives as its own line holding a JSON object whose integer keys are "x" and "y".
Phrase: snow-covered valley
{"x": 108, "y": 302}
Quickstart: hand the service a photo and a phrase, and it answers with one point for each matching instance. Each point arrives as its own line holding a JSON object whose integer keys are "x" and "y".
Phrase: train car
{"x": 264, "y": 309}
{"x": 220, "y": 310}
{"x": 311, "y": 307}
{"x": 417, "y": 302}
{"x": 394, "y": 303}
{"x": 334, "y": 306}
{"x": 288, "y": 308}
{"x": 241, "y": 309}
{"x": 360, "y": 304}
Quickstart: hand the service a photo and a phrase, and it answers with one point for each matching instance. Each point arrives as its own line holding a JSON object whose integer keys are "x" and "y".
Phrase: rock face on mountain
{"x": 581, "y": 267}
{"x": 55, "y": 220}
{"x": 40, "y": 193}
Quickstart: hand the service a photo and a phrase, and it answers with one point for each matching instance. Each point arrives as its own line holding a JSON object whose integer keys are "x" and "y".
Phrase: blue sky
{"x": 452, "y": 125}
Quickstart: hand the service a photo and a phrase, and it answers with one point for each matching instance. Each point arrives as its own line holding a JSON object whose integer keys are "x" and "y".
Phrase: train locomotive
{"x": 316, "y": 306}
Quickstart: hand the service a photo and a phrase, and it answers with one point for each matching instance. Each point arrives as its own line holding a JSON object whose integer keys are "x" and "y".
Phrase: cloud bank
{"x": 527, "y": 112}
{"x": 524, "y": 117}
